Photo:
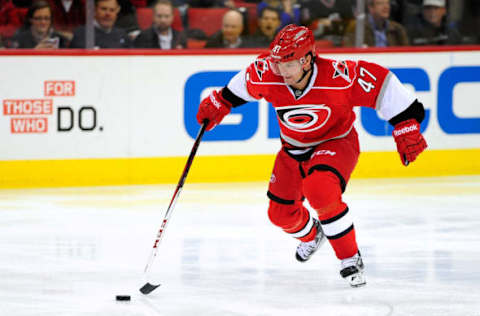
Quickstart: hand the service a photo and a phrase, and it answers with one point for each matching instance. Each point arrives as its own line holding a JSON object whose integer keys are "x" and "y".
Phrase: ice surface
{"x": 69, "y": 251}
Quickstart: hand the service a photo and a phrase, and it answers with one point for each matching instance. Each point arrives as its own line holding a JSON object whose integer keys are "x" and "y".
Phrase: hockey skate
{"x": 352, "y": 271}
{"x": 306, "y": 249}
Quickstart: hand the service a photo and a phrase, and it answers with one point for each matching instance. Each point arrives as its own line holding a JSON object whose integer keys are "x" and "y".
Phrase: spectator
{"x": 380, "y": 31}
{"x": 410, "y": 9}
{"x": 38, "y": 32}
{"x": 397, "y": 9}
{"x": 431, "y": 28}
{"x": 67, "y": 15}
{"x": 161, "y": 34}
{"x": 106, "y": 34}
{"x": 289, "y": 10}
{"x": 465, "y": 16}
{"x": 229, "y": 35}
{"x": 268, "y": 25}
{"x": 127, "y": 19}
{"x": 327, "y": 19}
{"x": 471, "y": 21}
{"x": 1, "y": 43}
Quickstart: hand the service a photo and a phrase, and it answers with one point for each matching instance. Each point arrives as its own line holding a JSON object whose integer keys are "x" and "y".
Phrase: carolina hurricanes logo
{"x": 341, "y": 70}
{"x": 261, "y": 66}
{"x": 304, "y": 118}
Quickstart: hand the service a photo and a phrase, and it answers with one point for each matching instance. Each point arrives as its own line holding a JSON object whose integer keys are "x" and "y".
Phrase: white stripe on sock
{"x": 305, "y": 230}
{"x": 338, "y": 226}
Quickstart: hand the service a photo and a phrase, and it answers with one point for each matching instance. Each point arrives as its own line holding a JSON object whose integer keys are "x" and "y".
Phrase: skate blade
{"x": 358, "y": 285}
{"x": 357, "y": 281}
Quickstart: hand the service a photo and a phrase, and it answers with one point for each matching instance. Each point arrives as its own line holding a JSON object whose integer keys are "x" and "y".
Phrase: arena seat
{"x": 17, "y": 19}
{"x": 209, "y": 20}
{"x": 323, "y": 44}
{"x": 139, "y": 3}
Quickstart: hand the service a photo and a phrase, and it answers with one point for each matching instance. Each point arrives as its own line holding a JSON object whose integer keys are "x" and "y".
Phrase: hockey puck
{"x": 123, "y": 298}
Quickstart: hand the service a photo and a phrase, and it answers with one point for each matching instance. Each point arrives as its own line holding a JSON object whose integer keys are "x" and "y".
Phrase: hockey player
{"x": 314, "y": 99}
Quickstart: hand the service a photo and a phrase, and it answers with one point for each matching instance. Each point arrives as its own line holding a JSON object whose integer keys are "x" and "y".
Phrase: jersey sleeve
{"x": 256, "y": 77}
{"x": 394, "y": 99}
{"x": 241, "y": 84}
{"x": 378, "y": 88}
{"x": 238, "y": 86}
{"x": 368, "y": 84}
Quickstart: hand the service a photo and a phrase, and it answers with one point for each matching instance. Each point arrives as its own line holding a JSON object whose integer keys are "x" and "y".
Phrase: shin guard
{"x": 323, "y": 191}
{"x": 293, "y": 218}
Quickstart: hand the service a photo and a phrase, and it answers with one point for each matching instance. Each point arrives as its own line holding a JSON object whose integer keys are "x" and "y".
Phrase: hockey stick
{"x": 149, "y": 287}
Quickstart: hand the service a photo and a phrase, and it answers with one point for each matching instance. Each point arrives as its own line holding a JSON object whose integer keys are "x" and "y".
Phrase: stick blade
{"x": 148, "y": 288}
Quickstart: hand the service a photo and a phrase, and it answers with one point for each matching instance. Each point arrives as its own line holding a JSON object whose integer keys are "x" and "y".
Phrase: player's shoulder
{"x": 342, "y": 73}
{"x": 336, "y": 73}
{"x": 260, "y": 71}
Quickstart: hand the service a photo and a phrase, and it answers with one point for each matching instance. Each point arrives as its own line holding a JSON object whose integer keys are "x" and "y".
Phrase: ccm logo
{"x": 323, "y": 152}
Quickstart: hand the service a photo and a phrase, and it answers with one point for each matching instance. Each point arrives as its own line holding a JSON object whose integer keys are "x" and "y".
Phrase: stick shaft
{"x": 175, "y": 196}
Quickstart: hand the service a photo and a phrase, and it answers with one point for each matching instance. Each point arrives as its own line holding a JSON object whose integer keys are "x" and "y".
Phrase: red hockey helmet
{"x": 291, "y": 43}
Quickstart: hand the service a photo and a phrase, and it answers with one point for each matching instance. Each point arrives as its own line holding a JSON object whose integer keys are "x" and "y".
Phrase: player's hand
{"x": 410, "y": 142}
{"x": 213, "y": 108}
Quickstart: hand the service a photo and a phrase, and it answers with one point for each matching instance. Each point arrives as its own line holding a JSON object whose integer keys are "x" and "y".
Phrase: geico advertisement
{"x": 143, "y": 106}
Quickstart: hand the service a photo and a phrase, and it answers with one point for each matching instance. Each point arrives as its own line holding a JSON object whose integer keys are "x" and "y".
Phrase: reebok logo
{"x": 214, "y": 101}
{"x": 405, "y": 130}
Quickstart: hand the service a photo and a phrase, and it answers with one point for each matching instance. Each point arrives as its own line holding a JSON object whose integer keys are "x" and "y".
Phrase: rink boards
{"x": 101, "y": 117}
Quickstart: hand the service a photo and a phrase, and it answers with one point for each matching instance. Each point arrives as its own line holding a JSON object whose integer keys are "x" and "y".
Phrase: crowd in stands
{"x": 180, "y": 24}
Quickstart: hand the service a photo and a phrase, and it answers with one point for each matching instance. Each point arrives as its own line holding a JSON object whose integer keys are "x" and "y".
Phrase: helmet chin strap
{"x": 305, "y": 72}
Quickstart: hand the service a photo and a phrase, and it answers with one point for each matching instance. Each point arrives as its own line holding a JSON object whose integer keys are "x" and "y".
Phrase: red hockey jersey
{"x": 324, "y": 110}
